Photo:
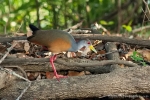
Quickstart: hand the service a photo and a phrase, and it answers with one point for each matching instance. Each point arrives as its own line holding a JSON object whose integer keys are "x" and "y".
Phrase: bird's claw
{"x": 60, "y": 76}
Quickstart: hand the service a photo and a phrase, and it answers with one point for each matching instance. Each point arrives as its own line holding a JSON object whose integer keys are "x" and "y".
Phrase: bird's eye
{"x": 88, "y": 43}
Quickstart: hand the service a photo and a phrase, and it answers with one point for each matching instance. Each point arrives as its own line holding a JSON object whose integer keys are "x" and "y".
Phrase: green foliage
{"x": 106, "y": 23}
{"x": 138, "y": 58}
{"x": 128, "y": 27}
{"x": 60, "y": 13}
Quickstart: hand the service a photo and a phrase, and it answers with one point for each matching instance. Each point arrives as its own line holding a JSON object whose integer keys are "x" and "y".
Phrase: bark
{"x": 120, "y": 82}
{"x": 42, "y": 64}
{"x": 93, "y": 37}
{"x": 113, "y": 39}
{"x": 110, "y": 47}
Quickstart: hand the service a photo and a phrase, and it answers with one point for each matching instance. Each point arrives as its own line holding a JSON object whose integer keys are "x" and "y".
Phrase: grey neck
{"x": 81, "y": 44}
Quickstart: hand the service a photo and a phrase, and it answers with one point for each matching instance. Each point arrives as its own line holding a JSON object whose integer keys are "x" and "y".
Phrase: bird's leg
{"x": 52, "y": 59}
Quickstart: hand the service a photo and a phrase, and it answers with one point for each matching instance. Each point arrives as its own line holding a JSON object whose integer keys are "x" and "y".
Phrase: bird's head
{"x": 89, "y": 44}
{"x": 86, "y": 43}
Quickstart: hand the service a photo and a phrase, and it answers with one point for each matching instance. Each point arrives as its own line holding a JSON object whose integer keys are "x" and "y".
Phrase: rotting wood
{"x": 127, "y": 81}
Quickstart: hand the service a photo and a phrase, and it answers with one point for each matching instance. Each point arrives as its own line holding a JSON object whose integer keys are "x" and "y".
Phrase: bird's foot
{"x": 53, "y": 58}
{"x": 60, "y": 76}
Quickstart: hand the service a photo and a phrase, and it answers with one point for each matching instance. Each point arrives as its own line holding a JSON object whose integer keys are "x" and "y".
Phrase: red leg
{"x": 52, "y": 59}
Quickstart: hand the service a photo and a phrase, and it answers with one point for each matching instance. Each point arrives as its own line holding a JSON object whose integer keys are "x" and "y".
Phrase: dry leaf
{"x": 49, "y": 75}
{"x": 2, "y": 48}
{"x": 29, "y": 33}
{"x": 128, "y": 55}
{"x": 32, "y": 75}
{"x": 75, "y": 73}
{"x": 20, "y": 55}
{"x": 20, "y": 34}
{"x": 19, "y": 46}
{"x": 26, "y": 46}
{"x": 71, "y": 54}
{"x": 145, "y": 53}
{"x": 96, "y": 42}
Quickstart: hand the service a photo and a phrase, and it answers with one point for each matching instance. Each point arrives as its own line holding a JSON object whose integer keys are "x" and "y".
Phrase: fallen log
{"x": 120, "y": 82}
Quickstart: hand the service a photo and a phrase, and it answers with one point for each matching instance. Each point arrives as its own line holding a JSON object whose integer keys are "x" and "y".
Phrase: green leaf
{"x": 130, "y": 23}
{"x": 143, "y": 63}
{"x": 134, "y": 53}
{"x": 103, "y": 22}
{"x": 127, "y": 28}
{"x": 110, "y": 23}
{"x": 124, "y": 26}
{"x": 136, "y": 57}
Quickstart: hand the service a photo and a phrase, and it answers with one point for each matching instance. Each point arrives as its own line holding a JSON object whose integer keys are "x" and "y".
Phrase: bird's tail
{"x": 33, "y": 28}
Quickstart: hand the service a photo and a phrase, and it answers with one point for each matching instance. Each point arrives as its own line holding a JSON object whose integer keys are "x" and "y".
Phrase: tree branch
{"x": 93, "y": 37}
{"x": 42, "y": 64}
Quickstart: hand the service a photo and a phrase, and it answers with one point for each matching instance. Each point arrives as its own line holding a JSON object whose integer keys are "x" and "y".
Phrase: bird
{"x": 57, "y": 41}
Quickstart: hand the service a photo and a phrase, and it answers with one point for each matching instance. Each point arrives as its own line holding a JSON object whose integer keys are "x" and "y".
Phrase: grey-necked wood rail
{"x": 57, "y": 41}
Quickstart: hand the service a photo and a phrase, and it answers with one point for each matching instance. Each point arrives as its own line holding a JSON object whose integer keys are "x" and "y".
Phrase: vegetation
{"x": 62, "y": 14}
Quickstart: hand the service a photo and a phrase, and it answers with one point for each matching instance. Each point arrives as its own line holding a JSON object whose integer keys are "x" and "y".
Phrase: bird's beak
{"x": 92, "y": 48}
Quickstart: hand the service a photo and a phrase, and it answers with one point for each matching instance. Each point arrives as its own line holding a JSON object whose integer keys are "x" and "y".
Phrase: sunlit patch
{"x": 5, "y": 19}
{"x": 13, "y": 24}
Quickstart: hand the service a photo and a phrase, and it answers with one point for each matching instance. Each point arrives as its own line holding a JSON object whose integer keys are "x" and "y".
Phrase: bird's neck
{"x": 81, "y": 44}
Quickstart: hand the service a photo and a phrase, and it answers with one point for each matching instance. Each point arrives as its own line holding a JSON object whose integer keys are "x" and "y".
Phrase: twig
{"x": 145, "y": 14}
{"x": 19, "y": 27}
{"x": 99, "y": 26}
{"x": 12, "y": 72}
{"x": 141, "y": 98}
{"x": 24, "y": 91}
{"x": 75, "y": 26}
{"x": 19, "y": 68}
{"x": 140, "y": 29}
{"x": 79, "y": 31}
{"x": 13, "y": 45}
{"x": 101, "y": 55}
{"x": 147, "y": 7}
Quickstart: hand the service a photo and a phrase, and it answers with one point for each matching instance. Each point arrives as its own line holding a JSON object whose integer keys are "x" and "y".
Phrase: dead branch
{"x": 19, "y": 68}
{"x": 69, "y": 62}
{"x": 113, "y": 39}
{"x": 75, "y": 26}
{"x": 147, "y": 9}
{"x": 7, "y": 78}
{"x": 42, "y": 64}
{"x": 119, "y": 82}
{"x": 141, "y": 29}
{"x": 93, "y": 37}
{"x": 10, "y": 39}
